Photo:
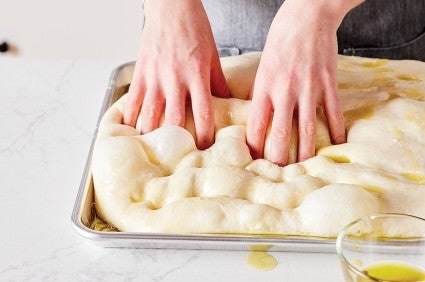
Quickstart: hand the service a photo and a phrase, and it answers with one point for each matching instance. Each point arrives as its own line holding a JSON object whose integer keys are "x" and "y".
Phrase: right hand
{"x": 178, "y": 60}
{"x": 297, "y": 73}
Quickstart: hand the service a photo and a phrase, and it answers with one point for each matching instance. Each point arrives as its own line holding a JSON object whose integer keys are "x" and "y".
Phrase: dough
{"x": 160, "y": 182}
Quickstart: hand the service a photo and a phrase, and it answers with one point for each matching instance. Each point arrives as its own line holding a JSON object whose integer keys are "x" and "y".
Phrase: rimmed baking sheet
{"x": 88, "y": 225}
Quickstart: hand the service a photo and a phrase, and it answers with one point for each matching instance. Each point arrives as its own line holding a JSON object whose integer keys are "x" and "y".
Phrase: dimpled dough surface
{"x": 160, "y": 182}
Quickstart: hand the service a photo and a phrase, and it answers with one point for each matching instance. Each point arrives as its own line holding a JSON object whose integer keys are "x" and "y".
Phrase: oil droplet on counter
{"x": 258, "y": 258}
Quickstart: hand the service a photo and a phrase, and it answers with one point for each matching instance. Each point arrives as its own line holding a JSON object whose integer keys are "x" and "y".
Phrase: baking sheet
{"x": 90, "y": 226}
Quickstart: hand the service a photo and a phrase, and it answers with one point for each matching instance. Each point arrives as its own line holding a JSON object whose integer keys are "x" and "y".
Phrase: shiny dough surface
{"x": 160, "y": 182}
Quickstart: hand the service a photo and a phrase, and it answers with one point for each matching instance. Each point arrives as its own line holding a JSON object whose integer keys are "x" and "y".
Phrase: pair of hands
{"x": 178, "y": 61}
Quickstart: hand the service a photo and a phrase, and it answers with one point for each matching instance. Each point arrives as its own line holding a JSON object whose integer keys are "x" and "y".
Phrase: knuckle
{"x": 198, "y": 69}
{"x": 263, "y": 81}
{"x": 307, "y": 129}
{"x": 281, "y": 134}
{"x": 205, "y": 118}
{"x": 290, "y": 79}
{"x": 328, "y": 72}
{"x": 258, "y": 126}
{"x": 175, "y": 118}
{"x": 149, "y": 112}
{"x": 337, "y": 118}
{"x": 204, "y": 114}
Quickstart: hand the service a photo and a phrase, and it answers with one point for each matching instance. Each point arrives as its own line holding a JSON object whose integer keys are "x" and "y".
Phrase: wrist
{"x": 170, "y": 6}
{"x": 330, "y": 11}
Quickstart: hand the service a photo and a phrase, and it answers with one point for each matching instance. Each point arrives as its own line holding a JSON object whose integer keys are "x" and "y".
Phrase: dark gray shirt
{"x": 393, "y": 29}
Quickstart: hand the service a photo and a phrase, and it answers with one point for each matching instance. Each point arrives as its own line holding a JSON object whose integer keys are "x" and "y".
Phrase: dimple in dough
{"x": 160, "y": 182}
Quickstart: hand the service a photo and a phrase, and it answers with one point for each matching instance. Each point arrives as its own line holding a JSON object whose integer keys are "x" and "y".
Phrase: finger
{"x": 258, "y": 122}
{"x": 307, "y": 126}
{"x": 280, "y": 132}
{"x": 333, "y": 111}
{"x": 203, "y": 114}
{"x": 134, "y": 100}
{"x": 218, "y": 81}
{"x": 150, "y": 114}
{"x": 175, "y": 105}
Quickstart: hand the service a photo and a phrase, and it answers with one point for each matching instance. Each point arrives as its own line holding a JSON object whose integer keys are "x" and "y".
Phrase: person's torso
{"x": 376, "y": 28}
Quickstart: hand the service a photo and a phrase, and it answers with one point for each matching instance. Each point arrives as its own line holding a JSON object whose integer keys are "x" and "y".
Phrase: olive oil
{"x": 258, "y": 258}
{"x": 393, "y": 271}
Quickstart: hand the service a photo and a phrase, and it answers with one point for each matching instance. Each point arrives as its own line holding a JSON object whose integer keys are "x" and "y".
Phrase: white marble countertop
{"x": 48, "y": 114}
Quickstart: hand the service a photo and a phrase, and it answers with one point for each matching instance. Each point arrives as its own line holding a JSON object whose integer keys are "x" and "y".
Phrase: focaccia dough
{"x": 160, "y": 182}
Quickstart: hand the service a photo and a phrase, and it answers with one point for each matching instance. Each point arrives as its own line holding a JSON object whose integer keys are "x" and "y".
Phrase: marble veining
{"x": 48, "y": 115}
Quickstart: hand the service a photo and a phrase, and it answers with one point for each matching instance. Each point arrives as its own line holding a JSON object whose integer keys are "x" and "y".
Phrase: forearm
{"x": 178, "y": 18}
